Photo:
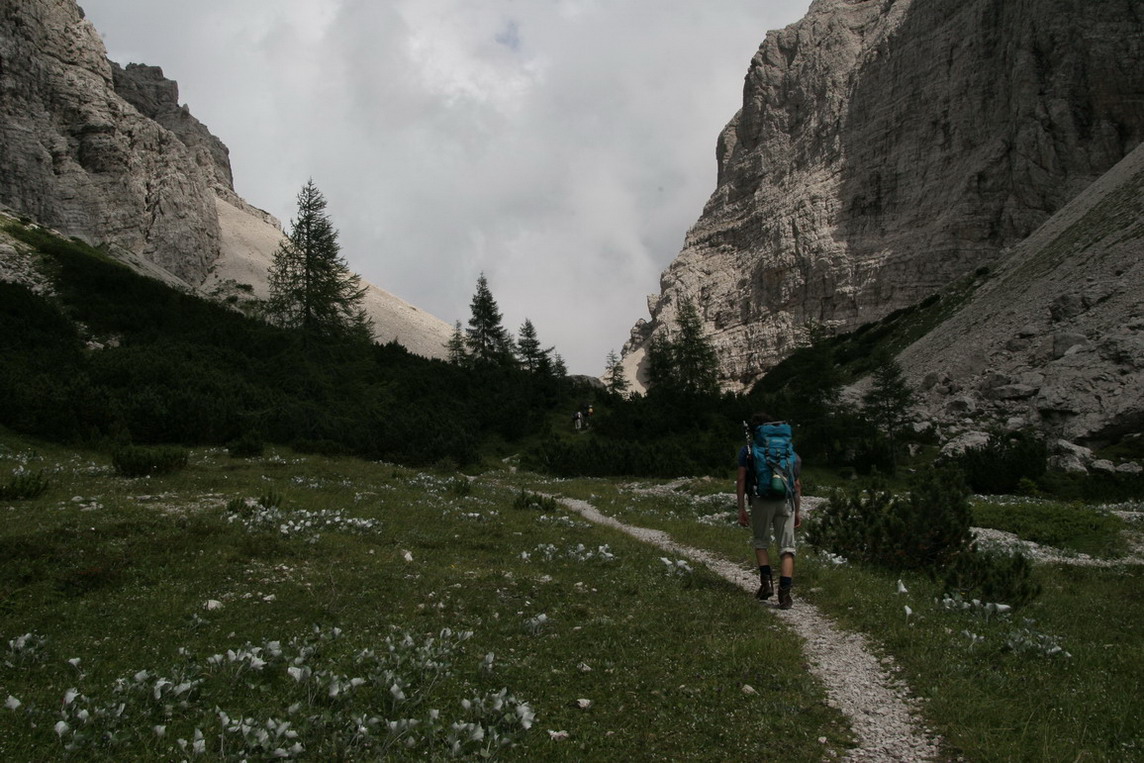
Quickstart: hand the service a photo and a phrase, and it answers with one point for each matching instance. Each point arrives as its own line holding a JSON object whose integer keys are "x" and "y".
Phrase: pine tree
{"x": 820, "y": 383}
{"x": 696, "y": 364}
{"x": 888, "y": 401}
{"x": 545, "y": 365}
{"x": 528, "y": 347}
{"x": 614, "y": 376}
{"x": 660, "y": 360}
{"x": 455, "y": 347}
{"x": 311, "y": 285}
{"x": 487, "y": 340}
{"x": 687, "y": 363}
{"x": 559, "y": 370}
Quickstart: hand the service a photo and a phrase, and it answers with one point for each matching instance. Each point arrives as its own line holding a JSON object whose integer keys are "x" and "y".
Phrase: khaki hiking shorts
{"x": 772, "y": 516}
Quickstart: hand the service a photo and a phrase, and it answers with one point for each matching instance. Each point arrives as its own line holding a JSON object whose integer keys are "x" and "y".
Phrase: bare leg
{"x": 786, "y": 565}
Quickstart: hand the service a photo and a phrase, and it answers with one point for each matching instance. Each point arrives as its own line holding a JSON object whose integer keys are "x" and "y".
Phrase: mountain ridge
{"x": 106, "y": 153}
{"x": 884, "y": 149}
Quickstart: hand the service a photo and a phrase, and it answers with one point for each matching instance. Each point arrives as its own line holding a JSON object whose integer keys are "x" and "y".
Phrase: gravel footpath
{"x": 862, "y": 687}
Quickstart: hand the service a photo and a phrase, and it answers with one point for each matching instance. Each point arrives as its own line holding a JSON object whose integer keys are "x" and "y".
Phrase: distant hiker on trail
{"x": 769, "y": 475}
{"x": 577, "y": 420}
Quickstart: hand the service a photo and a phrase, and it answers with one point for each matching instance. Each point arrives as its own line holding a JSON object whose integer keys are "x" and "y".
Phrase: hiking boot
{"x": 785, "y": 600}
{"x": 766, "y": 590}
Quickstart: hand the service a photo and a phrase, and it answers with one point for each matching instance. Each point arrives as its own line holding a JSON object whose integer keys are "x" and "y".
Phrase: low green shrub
{"x": 140, "y": 461}
{"x": 534, "y": 501}
{"x": 994, "y": 577}
{"x": 1130, "y": 446}
{"x": 1093, "y": 487}
{"x": 238, "y": 506}
{"x": 23, "y": 486}
{"x": 999, "y": 466}
{"x": 927, "y": 530}
{"x": 460, "y": 486}
{"x": 271, "y": 499}
{"x": 321, "y": 447}
{"x": 249, "y": 445}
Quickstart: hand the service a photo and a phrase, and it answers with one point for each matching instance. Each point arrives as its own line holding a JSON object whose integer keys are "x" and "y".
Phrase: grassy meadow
{"x": 291, "y": 606}
{"x": 1060, "y": 679}
{"x": 333, "y": 608}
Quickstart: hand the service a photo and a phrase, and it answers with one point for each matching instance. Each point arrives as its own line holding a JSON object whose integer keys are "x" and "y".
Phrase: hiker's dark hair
{"x": 759, "y": 418}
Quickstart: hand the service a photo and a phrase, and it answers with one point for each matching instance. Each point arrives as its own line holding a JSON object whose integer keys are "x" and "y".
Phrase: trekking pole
{"x": 750, "y": 462}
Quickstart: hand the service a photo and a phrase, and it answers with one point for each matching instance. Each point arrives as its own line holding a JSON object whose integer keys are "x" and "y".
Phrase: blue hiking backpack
{"x": 774, "y": 459}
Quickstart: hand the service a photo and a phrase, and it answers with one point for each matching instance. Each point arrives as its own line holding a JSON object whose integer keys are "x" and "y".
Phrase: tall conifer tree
{"x": 614, "y": 376}
{"x": 889, "y": 400}
{"x": 696, "y": 364}
{"x": 486, "y": 337}
{"x": 528, "y": 347}
{"x": 559, "y": 369}
{"x": 311, "y": 285}
{"x": 687, "y": 362}
{"x": 455, "y": 347}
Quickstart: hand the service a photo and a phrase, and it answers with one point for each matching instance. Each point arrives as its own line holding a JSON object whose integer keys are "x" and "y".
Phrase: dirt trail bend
{"x": 878, "y": 706}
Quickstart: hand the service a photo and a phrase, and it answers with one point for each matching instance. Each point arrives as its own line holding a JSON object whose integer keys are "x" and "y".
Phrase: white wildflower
{"x": 525, "y": 713}
{"x": 557, "y": 736}
{"x": 12, "y": 703}
{"x": 902, "y": 586}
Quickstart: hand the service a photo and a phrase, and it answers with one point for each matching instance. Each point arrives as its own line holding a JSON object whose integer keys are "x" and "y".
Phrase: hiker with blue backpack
{"x": 769, "y": 478}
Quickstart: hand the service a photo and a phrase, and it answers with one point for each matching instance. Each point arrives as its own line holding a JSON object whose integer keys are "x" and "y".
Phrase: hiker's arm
{"x": 741, "y": 496}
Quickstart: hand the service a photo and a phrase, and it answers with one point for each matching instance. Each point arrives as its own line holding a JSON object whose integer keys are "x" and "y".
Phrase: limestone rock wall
{"x": 79, "y": 158}
{"x": 886, "y": 147}
{"x": 107, "y": 154}
{"x": 157, "y": 97}
{"x": 1055, "y": 338}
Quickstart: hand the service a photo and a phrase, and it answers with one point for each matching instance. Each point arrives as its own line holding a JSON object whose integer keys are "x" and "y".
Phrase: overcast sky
{"x": 562, "y": 147}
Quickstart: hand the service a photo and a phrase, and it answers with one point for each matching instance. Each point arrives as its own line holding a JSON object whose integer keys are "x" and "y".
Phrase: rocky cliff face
{"x": 887, "y": 147}
{"x": 81, "y": 159}
{"x": 1055, "y": 338}
{"x": 107, "y": 154}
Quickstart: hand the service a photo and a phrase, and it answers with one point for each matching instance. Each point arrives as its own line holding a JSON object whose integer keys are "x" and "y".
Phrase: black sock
{"x": 785, "y": 582}
{"x": 764, "y": 572}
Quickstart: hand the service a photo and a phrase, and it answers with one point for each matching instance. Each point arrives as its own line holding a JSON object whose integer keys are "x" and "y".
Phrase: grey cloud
{"x": 563, "y": 148}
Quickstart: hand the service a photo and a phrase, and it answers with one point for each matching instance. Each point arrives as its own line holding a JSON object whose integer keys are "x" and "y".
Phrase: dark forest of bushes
{"x": 113, "y": 358}
{"x": 174, "y": 368}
